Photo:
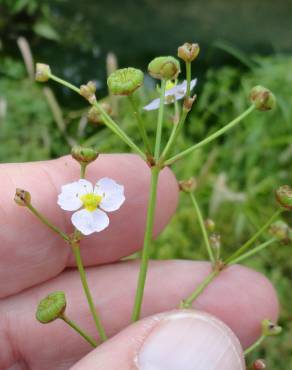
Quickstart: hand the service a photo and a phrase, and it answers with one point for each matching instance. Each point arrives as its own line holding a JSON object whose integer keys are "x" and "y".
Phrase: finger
{"x": 188, "y": 340}
{"x": 240, "y": 297}
{"x": 31, "y": 253}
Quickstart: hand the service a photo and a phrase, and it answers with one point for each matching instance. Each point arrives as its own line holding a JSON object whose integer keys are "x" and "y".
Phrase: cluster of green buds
{"x": 164, "y": 68}
{"x": 188, "y": 185}
{"x": 95, "y": 116}
{"x": 22, "y": 197}
{"x": 84, "y": 155}
{"x": 284, "y": 196}
{"x": 259, "y": 364}
{"x": 51, "y": 308}
{"x": 88, "y": 91}
{"x": 270, "y": 329}
{"x": 262, "y": 98}
{"x": 43, "y": 72}
{"x": 281, "y": 231}
{"x": 188, "y": 52}
{"x": 125, "y": 81}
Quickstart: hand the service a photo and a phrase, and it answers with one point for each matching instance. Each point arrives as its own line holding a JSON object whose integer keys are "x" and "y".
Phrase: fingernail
{"x": 190, "y": 341}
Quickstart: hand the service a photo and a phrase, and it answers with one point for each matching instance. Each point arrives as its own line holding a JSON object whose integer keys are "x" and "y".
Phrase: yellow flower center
{"x": 91, "y": 201}
{"x": 169, "y": 85}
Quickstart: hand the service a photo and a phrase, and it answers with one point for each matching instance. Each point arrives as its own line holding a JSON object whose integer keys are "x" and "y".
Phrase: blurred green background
{"x": 242, "y": 44}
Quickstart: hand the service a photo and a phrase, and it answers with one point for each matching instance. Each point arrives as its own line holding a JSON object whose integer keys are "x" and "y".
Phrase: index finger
{"x": 31, "y": 253}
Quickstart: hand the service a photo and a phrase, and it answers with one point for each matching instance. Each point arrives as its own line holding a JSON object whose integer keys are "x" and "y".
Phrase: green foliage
{"x": 236, "y": 174}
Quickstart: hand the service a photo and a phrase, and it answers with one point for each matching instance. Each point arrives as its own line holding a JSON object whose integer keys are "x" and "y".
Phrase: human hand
{"x": 35, "y": 262}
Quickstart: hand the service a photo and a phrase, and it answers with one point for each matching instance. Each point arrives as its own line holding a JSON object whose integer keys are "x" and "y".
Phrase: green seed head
{"x": 270, "y": 329}
{"x": 88, "y": 91}
{"x": 84, "y": 155}
{"x": 280, "y": 230}
{"x": 94, "y": 115}
{"x": 125, "y": 81}
{"x": 188, "y": 52}
{"x": 43, "y": 72}
{"x": 210, "y": 224}
{"x": 284, "y": 196}
{"x": 262, "y": 98}
{"x": 259, "y": 364}
{"x": 164, "y": 68}
{"x": 22, "y": 197}
{"x": 188, "y": 185}
{"x": 51, "y": 308}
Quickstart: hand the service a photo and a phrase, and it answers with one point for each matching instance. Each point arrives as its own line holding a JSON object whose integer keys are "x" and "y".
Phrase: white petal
{"x": 107, "y": 186}
{"x": 69, "y": 198}
{"x": 113, "y": 202}
{"x": 85, "y": 187}
{"x": 180, "y": 87}
{"x": 152, "y": 105}
{"x": 112, "y": 194}
{"x": 89, "y": 222}
{"x": 193, "y": 83}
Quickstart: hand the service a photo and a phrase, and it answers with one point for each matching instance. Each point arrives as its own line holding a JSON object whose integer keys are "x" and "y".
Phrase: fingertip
{"x": 173, "y": 340}
{"x": 252, "y": 298}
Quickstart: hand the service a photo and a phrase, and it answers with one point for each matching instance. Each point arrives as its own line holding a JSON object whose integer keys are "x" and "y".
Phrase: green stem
{"x": 109, "y": 122}
{"x": 140, "y": 123}
{"x": 45, "y": 221}
{"x": 246, "y": 245}
{"x": 147, "y": 241}
{"x": 174, "y": 134}
{"x": 211, "y": 137}
{"x": 65, "y": 83}
{"x": 77, "y": 255}
{"x": 77, "y": 328}
{"x": 253, "y": 251}
{"x": 187, "y": 303}
{"x": 113, "y": 126}
{"x": 255, "y": 345}
{"x": 82, "y": 170}
{"x": 202, "y": 226}
{"x": 189, "y": 77}
{"x": 183, "y": 117}
{"x": 160, "y": 120}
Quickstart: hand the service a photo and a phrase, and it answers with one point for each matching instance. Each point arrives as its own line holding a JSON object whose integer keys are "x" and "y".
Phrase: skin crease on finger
{"x": 240, "y": 297}
{"x": 35, "y": 254}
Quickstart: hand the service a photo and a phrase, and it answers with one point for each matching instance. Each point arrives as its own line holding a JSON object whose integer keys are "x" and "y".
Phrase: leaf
{"x": 44, "y": 29}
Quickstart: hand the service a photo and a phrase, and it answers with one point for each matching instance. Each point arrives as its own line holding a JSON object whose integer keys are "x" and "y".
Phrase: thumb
{"x": 176, "y": 340}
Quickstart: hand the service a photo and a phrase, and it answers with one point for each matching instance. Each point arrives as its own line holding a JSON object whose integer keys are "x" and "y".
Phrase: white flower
{"x": 107, "y": 195}
{"x": 173, "y": 92}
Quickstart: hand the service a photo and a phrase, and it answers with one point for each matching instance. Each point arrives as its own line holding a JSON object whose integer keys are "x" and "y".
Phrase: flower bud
{"x": 188, "y": 103}
{"x": 125, "y": 81}
{"x": 164, "y": 68}
{"x": 188, "y": 52}
{"x": 88, "y": 91}
{"x": 262, "y": 98}
{"x": 43, "y": 72}
{"x": 270, "y": 329}
{"x": 22, "y": 197}
{"x": 259, "y": 364}
{"x": 94, "y": 114}
{"x": 284, "y": 196}
{"x": 51, "y": 308}
{"x": 280, "y": 230}
{"x": 84, "y": 155}
{"x": 215, "y": 241}
{"x": 188, "y": 185}
{"x": 210, "y": 225}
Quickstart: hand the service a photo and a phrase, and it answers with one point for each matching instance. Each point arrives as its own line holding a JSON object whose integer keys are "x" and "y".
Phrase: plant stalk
{"x": 77, "y": 255}
{"x": 147, "y": 241}
{"x": 80, "y": 331}
{"x": 210, "y": 137}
